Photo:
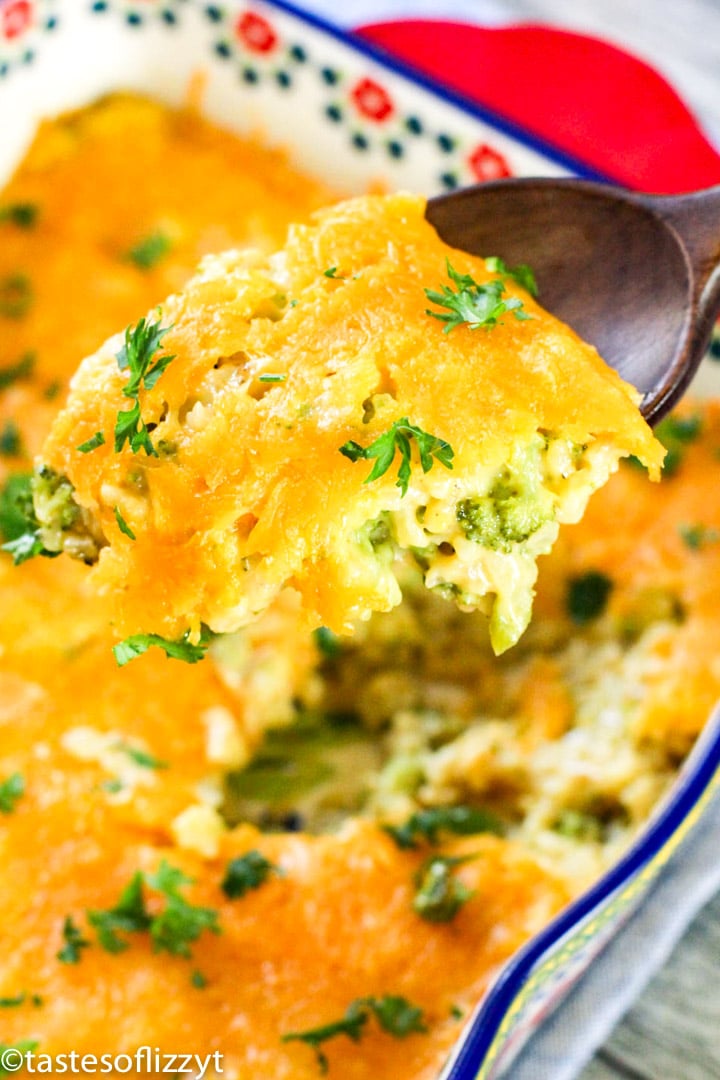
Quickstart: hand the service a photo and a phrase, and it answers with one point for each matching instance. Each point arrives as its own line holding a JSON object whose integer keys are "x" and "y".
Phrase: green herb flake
{"x": 579, "y": 825}
{"x": 20, "y": 371}
{"x": 11, "y": 444}
{"x": 696, "y": 537}
{"x": 327, "y": 642}
{"x": 440, "y": 894}
{"x": 74, "y": 943}
{"x": 98, "y": 439}
{"x": 456, "y": 1012}
{"x": 246, "y": 872}
{"x": 426, "y": 825}
{"x": 332, "y": 272}
{"x": 397, "y": 438}
{"x": 22, "y": 214}
{"x": 129, "y": 915}
{"x": 198, "y": 980}
{"x": 472, "y": 304}
{"x": 13, "y": 1002}
{"x": 394, "y": 1014}
{"x": 184, "y": 650}
{"x": 149, "y": 251}
{"x": 138, "y": 357}
{"x": 113, "y": 786}
{"x": 122, "y": 524}
{"x": 587, "y": 596}
{"x": 676, "y": 433}
{"x": 16, "y": 296}
{"x": 269, "y": 378}
{"x": 522, "y": 275}
{"x": 11, "y": 789}
{"x": 52, "y": 390}
{"x": 141, "y": 757}
{"x": 181, "y": 922}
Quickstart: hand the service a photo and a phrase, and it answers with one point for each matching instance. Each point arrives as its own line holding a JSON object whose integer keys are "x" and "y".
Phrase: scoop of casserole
{"x": 303, "y": 419}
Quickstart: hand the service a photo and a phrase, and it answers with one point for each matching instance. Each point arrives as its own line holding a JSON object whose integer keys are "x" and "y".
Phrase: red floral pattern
{"x": 15, "y": 18}
{"x": 372, "y": 100}
{"x": 488, "y": 164}
{"x": 256, "y": 33}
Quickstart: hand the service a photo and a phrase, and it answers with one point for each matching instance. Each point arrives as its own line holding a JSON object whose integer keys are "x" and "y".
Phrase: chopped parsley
{"x": 172, "y": 930}
{"x": 11, "y": 789}
{"x": 22, "y": 369}
{"x": 245, "y": 873}
{"x": 20, "y": 999}
{"x": 426, "y": 825}
{"x": 98, "y": 439}
{"x": 269, "y": 378}
{"x": 18, "y": 523}
{"x": 394, "y": 1014}
{"x": 327, "y": 642}
{"x": 74, "y": 943}
{"x": 22, "y": 214}
{"x": 579, "y": 825}
{"x": 11, "y": 444}
{"x": 397, "y": 438}
{"x": 522, "y": 275}
{"x": 138, "y": 357}
{"x": 471, "y": 303}
{"x": 122, "y": 523}
{"x": 440, "y": 894}
{"x": 141, "y": 757}
{"x": 149, "y": 251}
{"x": 198, "y": 980}
{"x": 16, "y": 296}
{"x": 696, "y": 536}
{"x": 129, "y": 915}
{"x": 332, "y": 272}
{"x": 587, "y": 596}
{"x": 137, "y": 644}
{"x": 675, "y": 433}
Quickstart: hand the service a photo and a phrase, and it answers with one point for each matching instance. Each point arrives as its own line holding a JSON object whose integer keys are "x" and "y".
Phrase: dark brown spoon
{"x": 638, "y": 276}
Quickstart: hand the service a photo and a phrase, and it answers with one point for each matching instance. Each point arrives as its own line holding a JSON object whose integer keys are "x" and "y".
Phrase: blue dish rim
{"x": 696, "y": 779}
{"x": 480, "y": 112}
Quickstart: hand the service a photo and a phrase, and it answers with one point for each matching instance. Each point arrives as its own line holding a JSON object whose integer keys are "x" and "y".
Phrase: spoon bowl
{"x": 637, "y": 276}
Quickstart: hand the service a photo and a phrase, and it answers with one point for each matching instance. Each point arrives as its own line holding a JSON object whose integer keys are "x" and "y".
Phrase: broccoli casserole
{"x": 308, "y": 852}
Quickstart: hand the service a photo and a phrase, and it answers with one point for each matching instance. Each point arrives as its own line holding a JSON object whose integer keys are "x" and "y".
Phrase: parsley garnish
{"x": 20, "y": 999}
{"x": 198, "y": 980}
{"x": 332, "y": 272}
{"x": 272, "y": 378}
{"x": 98, "y": 439}
{"x": 696, "y": 536}
{"x": 472, "y": 303}
{"x": 675, "y": 433}
{"x": 11, "y": 444}
{"x": 18, "y": 371}
{"x": 128, "y": 916}
{"x": 137, "y": 644}
{"x": 181, "y": 922}
{"x": 522, "y": 275}
{"x": 171, "y": 930}
{"x": 18, "y": 524}
{"x": 16, "y": 296}
{"x": 150, "y": 250}
{"x": 394, "y": 1014}
{"x": 142, "y": 342}
{"x": 141, "y": 757}
{"x": 587, "y": 596}
{"x": 122, "y": 523}
{"x": 425, "y": 825}
{"x": 10, "y": 791}
{"x": 74, "y": 943}
{"x": 245, "y": 873}
{"x": 440, "y": 895}
{"x": 327, "y": 642}
{"x": 397, "y": 437}
{"x": 24, "y": 215}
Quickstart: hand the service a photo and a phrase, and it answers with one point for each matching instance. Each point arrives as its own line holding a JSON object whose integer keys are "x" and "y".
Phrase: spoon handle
{"x": 696, "y": 220}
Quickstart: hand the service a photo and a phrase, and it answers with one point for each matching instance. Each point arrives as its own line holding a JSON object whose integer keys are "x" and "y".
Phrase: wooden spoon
{"x": 638, "y": 276}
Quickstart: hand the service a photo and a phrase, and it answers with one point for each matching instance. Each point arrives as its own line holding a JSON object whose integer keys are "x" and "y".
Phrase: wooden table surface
{"x": 673, "y": 1031}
